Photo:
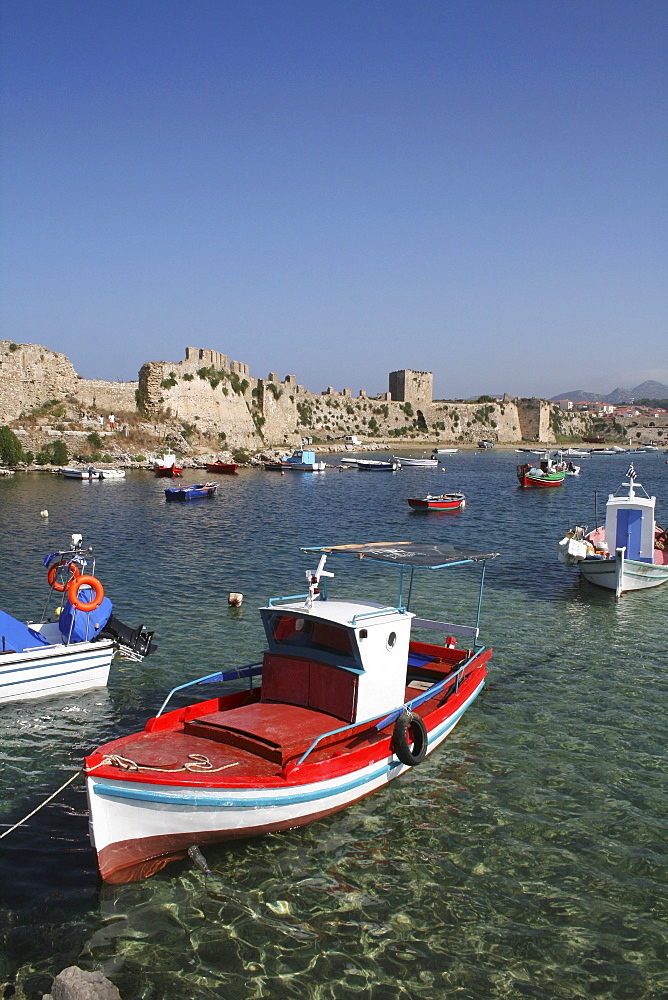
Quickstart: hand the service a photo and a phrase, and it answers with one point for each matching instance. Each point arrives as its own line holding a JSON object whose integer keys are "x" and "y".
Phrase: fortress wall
{"x": 111, "y": 396}
{"x": 30, "y": 375}
{"x": 255, "y": 413}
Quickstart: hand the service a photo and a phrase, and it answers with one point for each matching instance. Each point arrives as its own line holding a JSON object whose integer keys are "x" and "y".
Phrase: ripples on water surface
{"x": 525, "y": 858}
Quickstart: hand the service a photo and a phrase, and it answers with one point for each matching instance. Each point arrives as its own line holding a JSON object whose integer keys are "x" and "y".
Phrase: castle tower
{"x": 408, "y": 386}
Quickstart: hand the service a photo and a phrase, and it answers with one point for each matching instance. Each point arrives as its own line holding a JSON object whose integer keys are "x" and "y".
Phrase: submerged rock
{"x": 75, "y": 984}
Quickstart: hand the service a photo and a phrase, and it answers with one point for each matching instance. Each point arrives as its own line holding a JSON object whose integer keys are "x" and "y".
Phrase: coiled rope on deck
{"x": 199, "y": 764}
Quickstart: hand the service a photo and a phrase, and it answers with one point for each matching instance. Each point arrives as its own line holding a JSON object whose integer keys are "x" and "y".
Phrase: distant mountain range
{"x": 646, "y": 390}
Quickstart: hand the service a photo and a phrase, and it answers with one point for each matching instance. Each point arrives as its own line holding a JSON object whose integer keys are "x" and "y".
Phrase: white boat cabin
{"x": 630, "y": 524}
{"x": 341, "y": 657}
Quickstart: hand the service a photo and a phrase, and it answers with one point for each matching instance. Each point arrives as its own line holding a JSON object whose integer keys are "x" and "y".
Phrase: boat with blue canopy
{"x": 72, "y": 650}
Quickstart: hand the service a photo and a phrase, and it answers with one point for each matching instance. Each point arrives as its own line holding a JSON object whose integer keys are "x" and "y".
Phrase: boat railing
{"x": 470, "y": 631}
{"x": 401, "y": 610}
{"x": 387, "y": 720}
{"x": 250, "y": 670}
{"x": 291, "y": 597}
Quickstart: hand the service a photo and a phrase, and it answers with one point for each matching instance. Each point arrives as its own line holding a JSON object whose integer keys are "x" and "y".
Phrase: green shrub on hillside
{"x": 53, "y": 453}
{"x": 11, "y": 452}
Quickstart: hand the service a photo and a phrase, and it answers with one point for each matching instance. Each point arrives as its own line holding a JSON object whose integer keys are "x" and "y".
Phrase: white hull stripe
{"x": 50, "y": 677}
{"x": 40, "y": 674}
{"x": 310, "y": 794}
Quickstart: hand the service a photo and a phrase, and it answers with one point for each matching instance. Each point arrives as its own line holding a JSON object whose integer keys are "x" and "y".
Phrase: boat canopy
{"x": 17, "y": 637}
{"x": 408, "y": 553}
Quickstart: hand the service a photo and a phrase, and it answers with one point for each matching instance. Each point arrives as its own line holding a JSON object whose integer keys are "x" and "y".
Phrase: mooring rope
{"x": 199, "y": 764}
{"x": 41, "y": 805}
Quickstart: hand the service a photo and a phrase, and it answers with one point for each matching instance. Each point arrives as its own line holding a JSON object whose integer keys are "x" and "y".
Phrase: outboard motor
{"x": 133, "y": 643}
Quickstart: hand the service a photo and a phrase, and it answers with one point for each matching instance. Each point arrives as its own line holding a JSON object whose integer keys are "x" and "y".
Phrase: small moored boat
{"x": 349, "y": 700}
{"x": 411, "y": 461}
{"x": 545, "y": 475}
{"x": 198, "y": 491}
{"x": 376, "y": 465}
{"x": 112, "y": 474}
{"x": 74, "y": 652}
{"x": 167, "y": 466}
{"x": 222, "y": 468}
{"x": 442, "y": 501}
{"x": 90, "y": 473}
{"x": 630, "y": 552}
{"x": 303, "y": 460}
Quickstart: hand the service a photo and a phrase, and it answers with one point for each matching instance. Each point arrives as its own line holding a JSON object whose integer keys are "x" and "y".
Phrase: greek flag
{"x": 631, "y": 473}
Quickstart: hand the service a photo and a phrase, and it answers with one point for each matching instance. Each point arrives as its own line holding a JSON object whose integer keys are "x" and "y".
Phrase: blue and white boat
{"x": 350, "y": 699}
{"x": 74, "y": 651}
{"x": 630, "y": 552}
{"x": 303, "y": 460}
{"x": 198, "y": 491}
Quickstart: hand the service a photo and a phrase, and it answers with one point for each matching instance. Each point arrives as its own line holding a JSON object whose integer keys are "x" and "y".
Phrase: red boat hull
{"x": 168, "y": 471}
{"x": 538, "y": 482}
{"x": 424, "y": 504}
{"x": 222, "y": 468}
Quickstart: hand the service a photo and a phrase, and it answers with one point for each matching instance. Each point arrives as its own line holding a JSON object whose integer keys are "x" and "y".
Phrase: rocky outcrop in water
{"x": 76, "y": 984}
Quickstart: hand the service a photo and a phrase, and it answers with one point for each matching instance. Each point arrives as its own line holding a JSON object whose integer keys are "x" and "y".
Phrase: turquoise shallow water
{"x": 525, "y": 858}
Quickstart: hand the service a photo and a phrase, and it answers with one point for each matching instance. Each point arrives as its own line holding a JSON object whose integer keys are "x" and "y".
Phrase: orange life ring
{"x": 75, "y": 585}
{"x": 53, "y": 572}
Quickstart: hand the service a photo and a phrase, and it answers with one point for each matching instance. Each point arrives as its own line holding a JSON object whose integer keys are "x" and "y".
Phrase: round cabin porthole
{"x": 391, "y": 640}
{"x": 299, "y": 624}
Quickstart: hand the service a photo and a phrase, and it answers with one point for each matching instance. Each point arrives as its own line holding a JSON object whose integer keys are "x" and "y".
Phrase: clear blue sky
{"x": 337, "y": 189}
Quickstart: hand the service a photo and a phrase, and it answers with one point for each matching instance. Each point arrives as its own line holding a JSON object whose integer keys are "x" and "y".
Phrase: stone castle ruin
{"x": 215, "y": 403}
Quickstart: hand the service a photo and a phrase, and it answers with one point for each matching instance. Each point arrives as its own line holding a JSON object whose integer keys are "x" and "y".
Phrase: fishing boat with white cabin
{"x": 629, "y": 552}
{"x": 349, "y": 700}
{"x": 301, "y": 460}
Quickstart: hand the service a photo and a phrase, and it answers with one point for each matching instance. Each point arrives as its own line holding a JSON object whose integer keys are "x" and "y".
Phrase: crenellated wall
{"x": 208, "y": 393}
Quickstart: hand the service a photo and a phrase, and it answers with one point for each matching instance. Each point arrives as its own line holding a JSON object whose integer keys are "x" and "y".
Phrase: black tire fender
{"x": 409, "y": 739}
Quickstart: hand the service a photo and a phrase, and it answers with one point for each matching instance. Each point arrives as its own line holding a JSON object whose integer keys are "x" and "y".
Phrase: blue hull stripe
{"x": 310, "y": 794}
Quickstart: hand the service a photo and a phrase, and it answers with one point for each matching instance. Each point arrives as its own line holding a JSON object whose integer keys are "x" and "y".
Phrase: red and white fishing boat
{"x": 167, "y": 466}
{"x": 349, "y": 700}
{"x": 441, "y": 501}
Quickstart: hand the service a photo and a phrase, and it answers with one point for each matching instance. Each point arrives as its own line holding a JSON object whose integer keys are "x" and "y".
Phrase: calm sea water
{"x": 525, "y": 858}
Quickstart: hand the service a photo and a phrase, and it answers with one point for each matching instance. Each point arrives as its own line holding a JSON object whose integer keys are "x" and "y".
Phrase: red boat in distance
{"x": 444, "y": 501}
{"x": 222, "y": 468}
{"x": 165, "y": 465}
